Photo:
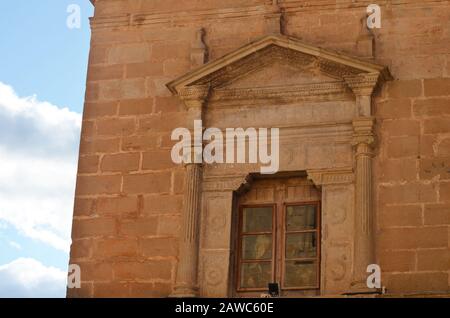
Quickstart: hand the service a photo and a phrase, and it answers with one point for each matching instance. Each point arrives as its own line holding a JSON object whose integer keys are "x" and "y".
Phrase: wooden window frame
{"x": 240, "y": 236}
{"x": 284, "y": 233}
{"x": 279, "y": 234}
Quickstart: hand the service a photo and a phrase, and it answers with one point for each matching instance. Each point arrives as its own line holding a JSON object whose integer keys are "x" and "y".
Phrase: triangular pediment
{"x": 279, "y": 73}
{"x": 275, "y": 61}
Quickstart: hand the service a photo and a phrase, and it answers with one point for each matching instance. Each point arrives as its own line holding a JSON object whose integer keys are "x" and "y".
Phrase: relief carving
{"x": 215, "y": 273}
{"x": 339, "y": 269}
{"x": 340, "y": 206}
{"x": 338, "y": 263}
{"x": 217, "y": 216}
{"x": 226, "y": 183}
{"x": 331, "y": 176}
{"x": 326, "y": 74}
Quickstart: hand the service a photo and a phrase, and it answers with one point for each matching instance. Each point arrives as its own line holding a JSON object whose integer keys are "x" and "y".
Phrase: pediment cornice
{"x": 345, "y": 72}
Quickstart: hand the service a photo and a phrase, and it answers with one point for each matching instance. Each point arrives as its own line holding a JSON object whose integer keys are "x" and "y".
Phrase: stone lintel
{"x": 331, "y": 176}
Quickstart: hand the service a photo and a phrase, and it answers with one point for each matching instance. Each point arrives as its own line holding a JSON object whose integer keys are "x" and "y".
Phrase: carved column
{"x": 186, "y": 280}
{"x": 186, "y": 283}
{"x": 363, "y": 141}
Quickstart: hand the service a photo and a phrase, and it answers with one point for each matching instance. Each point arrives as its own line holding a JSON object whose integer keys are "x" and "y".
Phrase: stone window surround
{"x": 205, "y": 271}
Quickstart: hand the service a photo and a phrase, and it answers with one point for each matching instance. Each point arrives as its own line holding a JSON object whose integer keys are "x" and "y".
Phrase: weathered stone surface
{"x": 128, "y": 214}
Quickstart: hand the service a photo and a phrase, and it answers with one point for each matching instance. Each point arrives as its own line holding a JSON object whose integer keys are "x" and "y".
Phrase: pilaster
{"x": 186, "y": 283}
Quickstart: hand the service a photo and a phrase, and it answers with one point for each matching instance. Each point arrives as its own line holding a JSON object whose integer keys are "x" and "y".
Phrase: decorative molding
{"x": 194, "y": 96}
{"x": 198, "y": 92}
{"x": 211, "y": 82}
{"x": 258, "y": 54}
{"x": 133, "y": 20}
{"x": 287, "y": 92}
{"x": 331, "y": 176}
{"x": 335, "y": 69}
{"x": 363, "y": 131}
{"x": 226, "y": 183}
{"x": 254, "y": 62}
{"x": 363, "y": 84}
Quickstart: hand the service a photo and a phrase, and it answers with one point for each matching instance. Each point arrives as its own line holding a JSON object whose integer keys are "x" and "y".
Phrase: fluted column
{"x": 186, "y": 282}
{"x": 363, "y": 141}
{"x": 363, "y": 86}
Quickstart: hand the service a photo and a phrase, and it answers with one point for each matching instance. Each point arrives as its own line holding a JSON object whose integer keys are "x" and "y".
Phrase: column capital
{"x": 363, "y": 84}
{"x": 195, "y": 96}
{"x": 193, "y": 155}
{"x": 363, "y": 131}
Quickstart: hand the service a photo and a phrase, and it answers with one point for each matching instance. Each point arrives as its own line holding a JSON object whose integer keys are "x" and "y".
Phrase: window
{"x": 279, "y": 243}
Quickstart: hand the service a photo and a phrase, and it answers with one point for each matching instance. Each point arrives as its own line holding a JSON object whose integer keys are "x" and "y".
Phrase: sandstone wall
{"x": 129, "y": 193}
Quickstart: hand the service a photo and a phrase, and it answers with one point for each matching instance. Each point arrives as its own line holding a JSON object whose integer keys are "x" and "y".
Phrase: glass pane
{"x": 257, "y": 247}
{"x": 301, "y": 245}
{"x": 256, "y": 275}
{"x": 300, "y": 274}
{"x": 301, "y": 217}
{"x": 257, "y": 220}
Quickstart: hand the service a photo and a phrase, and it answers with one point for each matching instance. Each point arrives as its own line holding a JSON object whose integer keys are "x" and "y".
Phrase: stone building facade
{"x": 364, "y": 121}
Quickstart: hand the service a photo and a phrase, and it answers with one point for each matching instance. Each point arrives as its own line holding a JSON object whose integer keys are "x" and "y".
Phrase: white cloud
{"x": 27, "y": 277}
{"x": 15, "y": 245}
{"x": 38, "y": 157}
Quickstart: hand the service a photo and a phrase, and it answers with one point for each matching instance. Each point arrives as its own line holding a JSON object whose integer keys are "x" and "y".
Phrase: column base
{"x": 185, "y": 292}
{"x": 361, "y": 289}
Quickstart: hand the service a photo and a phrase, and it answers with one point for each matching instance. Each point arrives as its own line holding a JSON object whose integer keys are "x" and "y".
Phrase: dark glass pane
{"x": 300, "y": 274}
{"x": 301, "y": 245}
{"x": 257, "y": 247}
{"x": 301, "y": 217}
{"x": 256, "y": 275}
{"x": 257, "y": 220}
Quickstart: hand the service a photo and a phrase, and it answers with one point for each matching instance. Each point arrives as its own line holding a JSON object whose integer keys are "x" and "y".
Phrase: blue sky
{"x": 43, "y": 66}
{"x": 40, "y": 55}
